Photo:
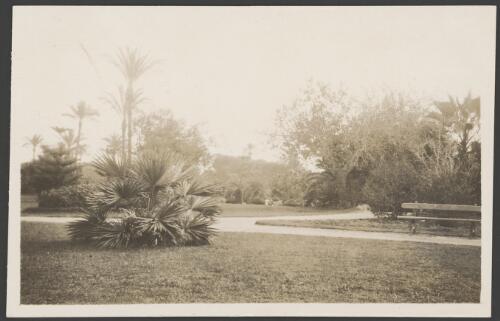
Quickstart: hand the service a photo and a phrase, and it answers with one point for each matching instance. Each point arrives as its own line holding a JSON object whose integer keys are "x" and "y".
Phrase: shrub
{"x": 257, "y": 200}
{"x": 391, "y": 183}
{"x": 254, "y": 193}
{"x": 55, "y": 168}
{"x": 73, "y": 196}
{"x": 160, "y": 201}
{"x": 27, "y": 174}
{"x": 292, "y": 203}
{"x": 233, "y": 196}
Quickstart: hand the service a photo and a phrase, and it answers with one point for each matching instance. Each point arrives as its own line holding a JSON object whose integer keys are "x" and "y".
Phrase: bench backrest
{"x": 442, "y": 207}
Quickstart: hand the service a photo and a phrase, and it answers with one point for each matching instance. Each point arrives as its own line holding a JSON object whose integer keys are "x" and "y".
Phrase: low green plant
{"x": 160, "y": 202}
{"x": 72, "y": 196}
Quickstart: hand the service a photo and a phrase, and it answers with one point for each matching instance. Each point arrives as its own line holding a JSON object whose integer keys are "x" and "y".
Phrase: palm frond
{"x": 131, "y": 64}
{"x": 35, "y": 140}
{"x": 117, "y": 193}
{"x": 117, "y": 102}
{"x": 208, "y": 206}
{"x": 195, "y": 230}
{"x": 176, "y": 173}
{"x": 110, "y": 166}
{"x": 114, "y": 235}
{"x": 157, "y": 231}
{"x": 169, "y": 210}
{"x": 150, "y": 169}
{"x": 193, "y": 187}
{"x": 86, "y": 227}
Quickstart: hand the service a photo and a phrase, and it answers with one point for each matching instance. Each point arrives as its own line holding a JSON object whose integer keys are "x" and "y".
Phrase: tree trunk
{"x": 129, "y": 151}
{"x": 129, "y": 108}
{"x": 34, "y": 152}
{"x": 124, "y": 129}
{"x": 78, "y": 136}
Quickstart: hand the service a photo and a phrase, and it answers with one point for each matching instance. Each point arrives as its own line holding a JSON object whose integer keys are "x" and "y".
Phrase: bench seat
{"x": 418, "y": 208}
{"x": 438, "y": 218}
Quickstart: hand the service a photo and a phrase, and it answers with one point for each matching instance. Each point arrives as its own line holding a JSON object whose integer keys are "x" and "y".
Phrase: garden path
{"x": 247, "y": 225}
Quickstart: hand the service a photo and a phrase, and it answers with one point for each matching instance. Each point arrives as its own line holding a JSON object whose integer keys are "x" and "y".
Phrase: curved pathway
{"x": 247, "y": 225}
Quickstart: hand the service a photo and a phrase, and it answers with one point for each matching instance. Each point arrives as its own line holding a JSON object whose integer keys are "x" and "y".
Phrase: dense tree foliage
{"x": 55, "y": 168}
{"x": 160, "y": 132}
{"x": 246, "y": 180}
{"x": 27, "y": 178}
{"x": 383, "y": 151}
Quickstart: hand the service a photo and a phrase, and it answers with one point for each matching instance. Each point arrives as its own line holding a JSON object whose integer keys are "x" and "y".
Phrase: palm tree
{"x": 114, "y": 144}
{"x": 80, "y": 112}
{"x": 161, "y": 201}
{"x": 33, "y": 141}
{"x": 132, "y": 66}
{"x": 117, "y": 102}
{"x": 69, "y": 140}
{"x": 461, "y": 118}
{"x": 124, "y": 103}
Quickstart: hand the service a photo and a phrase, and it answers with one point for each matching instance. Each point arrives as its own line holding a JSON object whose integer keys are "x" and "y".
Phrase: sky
{"x": 228, "y": 69}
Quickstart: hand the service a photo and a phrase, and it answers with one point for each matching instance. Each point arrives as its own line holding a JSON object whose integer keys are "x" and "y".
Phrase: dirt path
{"x": 247, "y": 225}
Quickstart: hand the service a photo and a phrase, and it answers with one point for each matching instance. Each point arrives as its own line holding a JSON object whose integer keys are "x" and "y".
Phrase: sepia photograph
{"x": 251, "y": 161}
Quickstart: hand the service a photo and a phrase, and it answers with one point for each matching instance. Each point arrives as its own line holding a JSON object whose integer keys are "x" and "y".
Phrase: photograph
{"x": 251, "y": 161}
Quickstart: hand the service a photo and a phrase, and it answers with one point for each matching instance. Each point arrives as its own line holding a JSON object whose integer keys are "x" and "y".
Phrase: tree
{"x": 388, "y": 151}
{"x": 80, "y": 112}
{"x": 27, "y": 174}
{"x": 69, "y": 140}
{"x": 121, "y": 103}
{"x": 287, "y": 183}
{"x": 162, "y": 201}
{"x": 457, "y": 178}
{"x": 460, "y": 119}
{"x": 248, "y": 180}
{"x": 33, "y": 141}
{"x": 132, "y": 65}
{"x": 56, "y": 167}
{"x": 160, "y": 132}
{"x": 303, "y": 128}
{"x": 113, "y": 145}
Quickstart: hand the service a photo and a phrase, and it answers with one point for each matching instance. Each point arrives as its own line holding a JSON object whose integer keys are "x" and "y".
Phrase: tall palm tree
{"x": 132, "y": 66}
{"x": 80, "y": 112}
{"x": 124, "y": 103}
{"x": 33, "y": 141}
{"x": 117, "y": 102}
{"x": 462, "y": 118}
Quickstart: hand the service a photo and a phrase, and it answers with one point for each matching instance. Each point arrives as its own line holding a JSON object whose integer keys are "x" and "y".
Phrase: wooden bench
{"x": 419, "y": 208}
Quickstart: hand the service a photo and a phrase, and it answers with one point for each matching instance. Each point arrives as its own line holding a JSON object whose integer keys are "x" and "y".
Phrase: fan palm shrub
{"x": 154, "y": 201}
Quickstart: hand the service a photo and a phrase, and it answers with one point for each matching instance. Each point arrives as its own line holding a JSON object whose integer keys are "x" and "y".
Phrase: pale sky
{"x": 229, "y": 69}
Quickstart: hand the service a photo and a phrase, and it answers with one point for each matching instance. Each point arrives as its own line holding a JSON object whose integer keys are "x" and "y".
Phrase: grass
{"x": 379, "y": 225}
{"x": 29, "y": 206}
{"x": 28, "y": 201}
{"x": 245, "y": 267}
{"x": 252, "y": 210}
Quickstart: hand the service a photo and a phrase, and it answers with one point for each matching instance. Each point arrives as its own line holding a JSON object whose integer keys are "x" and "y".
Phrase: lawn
{"x": 379, "y": 225}
{"x": 253, "y": 210}
{"x": 28, "y": 201}
{"x": 245, "y": 267}
{"x": 228, "y": 210}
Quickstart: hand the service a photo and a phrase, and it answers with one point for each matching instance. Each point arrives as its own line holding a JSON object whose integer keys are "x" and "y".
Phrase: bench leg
{"x": 413, "y": 227}
{"x": 473, "y": 229}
